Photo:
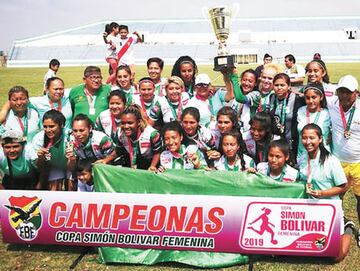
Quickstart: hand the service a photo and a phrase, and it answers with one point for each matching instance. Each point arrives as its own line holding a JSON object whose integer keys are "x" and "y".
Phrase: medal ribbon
{"x": 91, "y": 100}
{"x": 176, "y": 115}
{"x": 261, "y": 155}
{"x": 133, "y": 151}
{"x": 159, "y": 88}
{"x": 308, "y": 116}
{"x": 347, "y": 124}
{"x": 202, "y": 145}
{"x": 144, "y": 106}
{"x": 52, "y": 106}
{"x": 178, "y": 156}
{"x": 282, "y": 111}
{"x": 113, "y": 123}
{"x": 49, "y": 144}
{"x": 24, "y": 126}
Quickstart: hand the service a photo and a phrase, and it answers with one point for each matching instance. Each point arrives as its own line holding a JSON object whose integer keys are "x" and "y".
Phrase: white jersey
{"x": 128, "y": 57}
{"x": 208, "y": 108}
{"x": 346, "y": 149}
{"x": 179, "y": 160}
{"x": 217, "y": 136}
{"x": 28, "y": 125}
{"x": 329, "y": 89}
{"x": 244, "y": 113}
{"x": 167, "y": 110}
{"x": 160, "y": 87}
{"x": 146, "y": 107}
{"x": 288, "y": 174}
{"x": 105, "y": 123}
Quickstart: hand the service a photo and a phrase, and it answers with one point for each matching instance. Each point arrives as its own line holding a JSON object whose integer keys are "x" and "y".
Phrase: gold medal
{"x": 347, "y": 134}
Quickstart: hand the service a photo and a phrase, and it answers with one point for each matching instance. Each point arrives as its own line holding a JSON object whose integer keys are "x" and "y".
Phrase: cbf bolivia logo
{"x": 25, "y": 216}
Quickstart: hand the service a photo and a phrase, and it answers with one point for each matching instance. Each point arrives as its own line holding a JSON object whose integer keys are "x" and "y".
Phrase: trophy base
{"x": 224, "y": 62}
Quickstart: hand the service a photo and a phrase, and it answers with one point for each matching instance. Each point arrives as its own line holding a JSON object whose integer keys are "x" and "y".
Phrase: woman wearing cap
{"x": 344, "y": 112}
{"x": 169, "y": 108}
{"x": 315, "y": 112}
{"x": 207, "y": 105}
{"x": 17, "y": 162}
{"x": 19, "y": 115}
{"x": 185, "y": 68}
{"x": 56, "y": 98}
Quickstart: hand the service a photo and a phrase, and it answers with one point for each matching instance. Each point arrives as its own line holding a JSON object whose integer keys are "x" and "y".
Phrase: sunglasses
{"x": 202, "y": 85}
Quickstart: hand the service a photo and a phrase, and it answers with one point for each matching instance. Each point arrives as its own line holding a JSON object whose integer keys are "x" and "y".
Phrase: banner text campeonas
{"x": 180, "y": 222}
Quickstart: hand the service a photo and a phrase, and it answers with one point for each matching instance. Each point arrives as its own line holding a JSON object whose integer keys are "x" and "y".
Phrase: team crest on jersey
{"x": 25, "y": 216}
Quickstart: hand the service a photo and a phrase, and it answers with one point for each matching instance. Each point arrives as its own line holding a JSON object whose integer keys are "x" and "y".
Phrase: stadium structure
{"x": 335, "y": 38}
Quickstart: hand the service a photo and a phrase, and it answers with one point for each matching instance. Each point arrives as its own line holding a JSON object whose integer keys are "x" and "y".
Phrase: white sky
{"x": 21, "y": 19}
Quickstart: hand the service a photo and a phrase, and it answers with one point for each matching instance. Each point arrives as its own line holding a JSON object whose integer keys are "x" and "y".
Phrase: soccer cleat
{"x": 349, "y": 224}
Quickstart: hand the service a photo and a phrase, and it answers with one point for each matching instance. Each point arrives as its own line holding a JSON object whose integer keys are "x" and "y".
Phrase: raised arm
{"x": 229, "y": 88}
{"x": 139, "y": 39}
{"x": 4, "y": 111}
{"x": 239, "y": 95}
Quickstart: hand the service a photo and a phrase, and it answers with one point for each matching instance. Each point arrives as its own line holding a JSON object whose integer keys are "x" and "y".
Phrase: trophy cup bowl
{"x": 220, "y": 18}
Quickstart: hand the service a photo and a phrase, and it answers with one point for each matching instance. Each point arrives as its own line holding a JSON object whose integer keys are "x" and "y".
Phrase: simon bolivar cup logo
{"x": 25, "y": 216}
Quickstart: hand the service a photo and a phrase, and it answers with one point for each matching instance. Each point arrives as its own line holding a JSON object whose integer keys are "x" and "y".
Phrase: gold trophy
{"x": 220, "y": 19}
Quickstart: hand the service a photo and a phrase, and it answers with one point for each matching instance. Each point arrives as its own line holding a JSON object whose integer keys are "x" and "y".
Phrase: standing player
{"x": 345, "y": 119}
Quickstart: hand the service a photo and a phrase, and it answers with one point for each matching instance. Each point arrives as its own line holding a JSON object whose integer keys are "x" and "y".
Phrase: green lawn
{"x": 32, "y": 78}
{"x": 21, "y": 257}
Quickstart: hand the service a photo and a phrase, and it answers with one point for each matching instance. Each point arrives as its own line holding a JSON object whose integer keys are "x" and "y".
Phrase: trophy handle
{"x": 235, "y": 10}
{"x": 205, "y": 12}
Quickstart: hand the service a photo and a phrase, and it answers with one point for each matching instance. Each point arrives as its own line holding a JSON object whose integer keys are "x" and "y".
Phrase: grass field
{"x": 20, "y": 257}
{"x": 32, "y": 78}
